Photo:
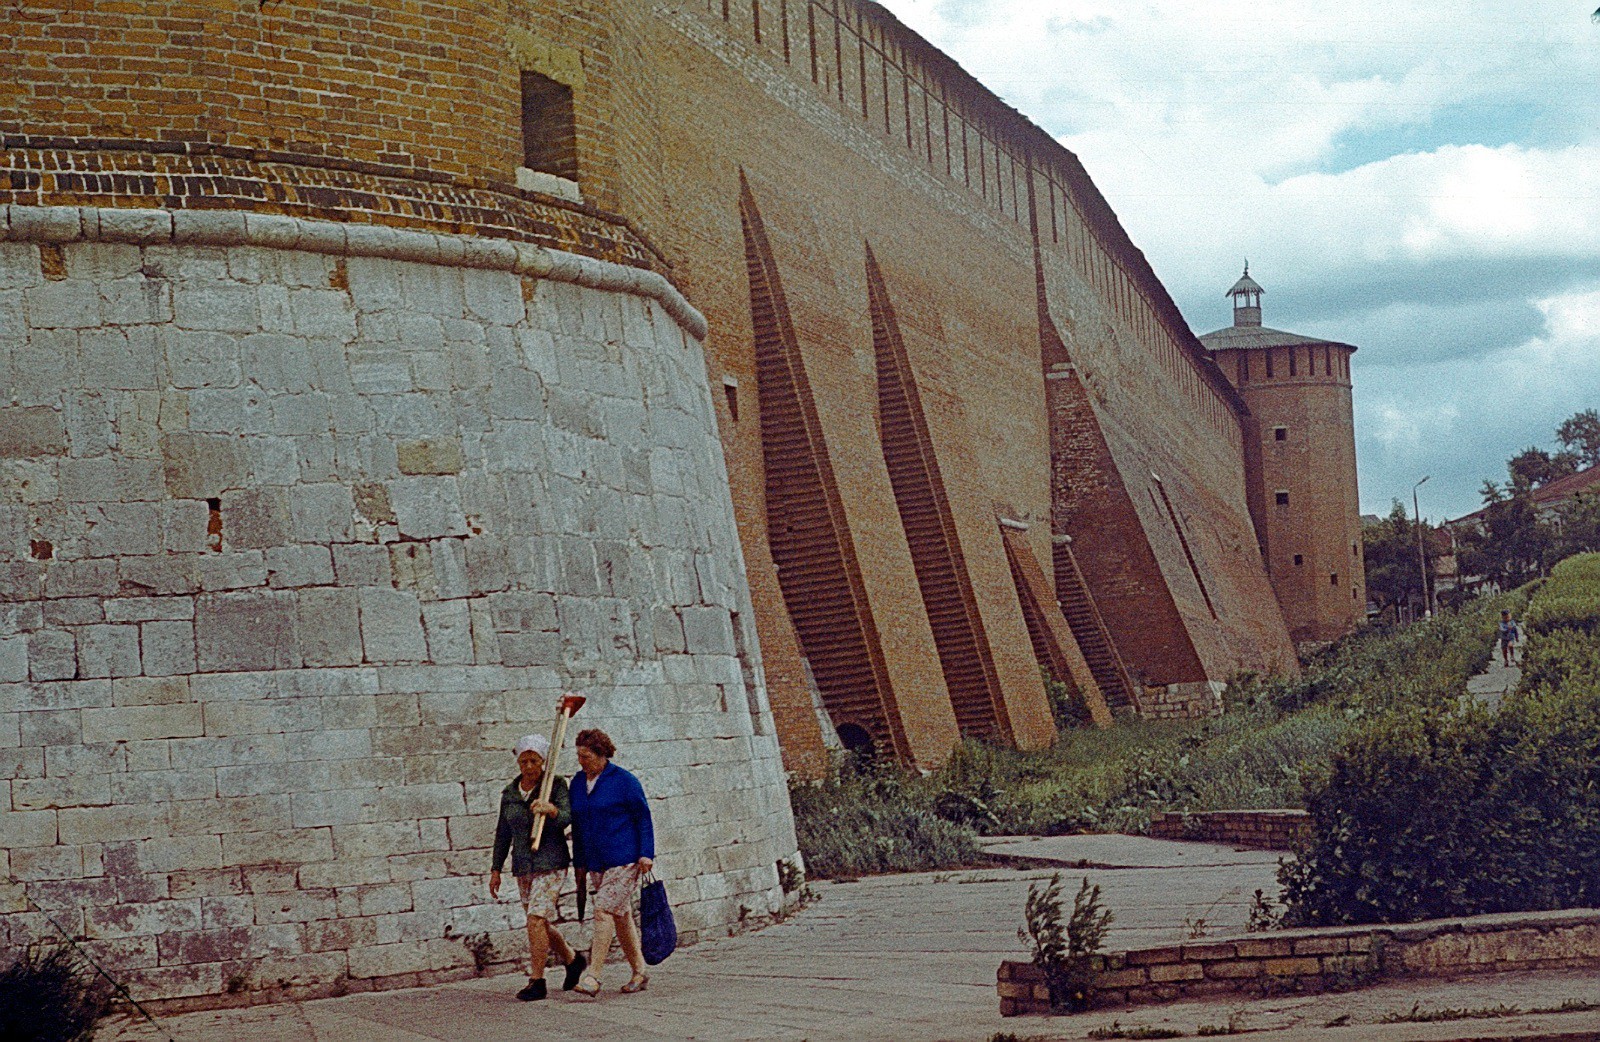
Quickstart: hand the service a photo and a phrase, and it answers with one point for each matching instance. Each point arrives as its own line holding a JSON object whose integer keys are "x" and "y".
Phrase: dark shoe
{"x": 533, "y": 992}
{"x": 575, "y": 969}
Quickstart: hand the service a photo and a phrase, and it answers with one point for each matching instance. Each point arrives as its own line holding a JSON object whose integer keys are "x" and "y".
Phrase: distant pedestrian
{"x": 1509, "y": 635}
{"x": 540, "y": 873}
{"x": 614, "y": 840}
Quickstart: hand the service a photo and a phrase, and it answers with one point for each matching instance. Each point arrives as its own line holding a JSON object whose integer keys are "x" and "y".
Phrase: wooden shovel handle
{"x": 548, "y": 781}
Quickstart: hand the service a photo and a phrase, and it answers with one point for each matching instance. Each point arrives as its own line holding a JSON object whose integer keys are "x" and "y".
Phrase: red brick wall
{"x": 852, "y": 131}
{"x": 1315, "y": 464}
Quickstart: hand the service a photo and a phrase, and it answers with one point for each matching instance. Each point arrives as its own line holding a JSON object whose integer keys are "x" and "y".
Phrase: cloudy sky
{"x": 1419, "y": 179}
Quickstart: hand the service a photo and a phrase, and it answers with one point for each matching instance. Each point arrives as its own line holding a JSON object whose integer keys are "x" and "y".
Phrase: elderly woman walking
{"x": 614, "y": 841}
{"x": 540, "y": 873}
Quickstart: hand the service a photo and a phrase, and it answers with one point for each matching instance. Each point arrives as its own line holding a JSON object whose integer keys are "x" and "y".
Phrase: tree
{"x": 1390, "y": 551}
{"x": 1580, "y": 433}
{"x": 1511, "y": 545}
{"x": 1579, "y": 523}
{"x": 1534, "y": 466}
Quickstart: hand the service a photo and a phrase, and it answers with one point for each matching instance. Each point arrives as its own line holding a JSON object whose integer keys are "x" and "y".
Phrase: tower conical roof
{"x": 1246, "y": 284}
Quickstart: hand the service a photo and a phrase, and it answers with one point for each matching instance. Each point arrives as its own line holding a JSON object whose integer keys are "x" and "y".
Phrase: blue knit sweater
{"x": 610, "y": 826}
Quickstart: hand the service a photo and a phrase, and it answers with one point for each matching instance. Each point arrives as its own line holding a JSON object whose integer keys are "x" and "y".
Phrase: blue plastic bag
{"x": 658, "y": 934}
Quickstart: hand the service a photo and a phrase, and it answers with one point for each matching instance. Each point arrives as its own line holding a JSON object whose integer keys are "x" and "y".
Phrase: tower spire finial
{"x": 1246, "y": 294}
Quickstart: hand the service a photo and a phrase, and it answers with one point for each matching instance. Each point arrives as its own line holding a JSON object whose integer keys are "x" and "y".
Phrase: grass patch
{"x": 1417, "y": 1015}
{"x": 1276, "y": 734}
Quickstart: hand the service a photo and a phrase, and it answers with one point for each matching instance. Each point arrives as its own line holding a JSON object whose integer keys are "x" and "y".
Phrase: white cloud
{"x": 1422, "y": 175}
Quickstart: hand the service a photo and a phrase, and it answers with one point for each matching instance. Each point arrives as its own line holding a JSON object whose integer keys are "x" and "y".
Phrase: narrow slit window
{"x": 1280, "y": 434}
{"x": 1333, "y": 579}
{"x": 1281, "y": 498}
{"x": 549, "y": 130}
{"x": 1299, "y": 559}
{"x": 730, "y": 388}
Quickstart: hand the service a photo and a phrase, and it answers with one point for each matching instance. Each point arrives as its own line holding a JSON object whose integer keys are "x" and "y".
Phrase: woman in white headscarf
{"x": 541, "y": 873}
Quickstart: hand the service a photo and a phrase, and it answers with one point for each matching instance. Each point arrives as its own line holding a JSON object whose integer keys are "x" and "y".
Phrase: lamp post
{"x": 1422, "y": 560}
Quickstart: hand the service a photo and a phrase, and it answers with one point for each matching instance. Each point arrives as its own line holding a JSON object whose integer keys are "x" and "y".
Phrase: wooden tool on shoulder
{"x": 565, "y": 710}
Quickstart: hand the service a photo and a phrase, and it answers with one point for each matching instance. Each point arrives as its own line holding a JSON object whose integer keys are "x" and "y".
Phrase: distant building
{"x": 1300, "y": 458}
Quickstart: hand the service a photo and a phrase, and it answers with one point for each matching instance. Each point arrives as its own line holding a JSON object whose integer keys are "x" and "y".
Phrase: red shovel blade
{"x": 571, "y": 703}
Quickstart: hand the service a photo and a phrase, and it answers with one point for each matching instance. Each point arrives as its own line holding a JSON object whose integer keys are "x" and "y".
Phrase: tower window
{"x": 1299, "y": 559}
{"x": 549, "y": 131}
{"x": 1333, "y": 579}
{"x": 1280, "y": 434}
{"x": 1268, "y": 353}
{"x": 1293, "y": 370}
{"x": 1281, "y": 498}
{"x": 730, "y": 389}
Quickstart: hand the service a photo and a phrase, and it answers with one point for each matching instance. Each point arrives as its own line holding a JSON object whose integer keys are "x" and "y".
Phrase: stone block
{"x": 1262, "y": 947}
{"x": 428, "y": 507}
{"x": 52, "y": 655}
{"x": 530, "y": 649}
{"x": 180, "y": 853}
{"x": 112, "y": 824}
{"x": 143, "y": 919}
{"x": 85, "y": 578}
{"x": 329, "y": 627}
{"x": 391, "y": 626}
{"x": 449, "y": 630}
{"x": 296, "y": 906}
{"x": 68, "y": 304}
{"x": 31, "y": 431}
{"x": 13, "y": 659}
{"x": 202, "y": 466}
{"x": 151, "y": 691}
{"x": 220, "y": 306}
{"x": 168, "y": 648}
{"x": 199, "y": 359}
{"x": 1320, "y": 945}
{"x": 292, "y": 846}
{"x": 108, "y": 651}
{"x": 255, "y": 519}
{"x": 420, "y": 956}
{"x": 149, "y": 609}
{"x": 230, "y": 570}
{"x": 301, "y": 565}
{"x": 246, "y": 631}
{"x": 42, "y": 862}
{"x": 1292, "y": 967}
{"x": 321, "y": 513}
{"x": 120, "y": 358}
{"x": 436, "y": 456}
{"x": 362, "y": 564}
{"x": 708, "y": 631}
{"x": 35, "y": 828}
{"x": 59, "y": 727}
{"x": 141, "y": 723}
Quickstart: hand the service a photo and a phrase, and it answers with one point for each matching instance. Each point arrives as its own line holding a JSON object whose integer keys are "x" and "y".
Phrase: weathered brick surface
{"x": 1331, "y": 958}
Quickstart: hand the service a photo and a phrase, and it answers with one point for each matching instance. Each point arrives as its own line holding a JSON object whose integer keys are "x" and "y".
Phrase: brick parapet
{"x": 151, "y": 227}
{"x": 40, "y": 171}
{"x": 1262, "y": 829}
{"x": 1338, "y": 958}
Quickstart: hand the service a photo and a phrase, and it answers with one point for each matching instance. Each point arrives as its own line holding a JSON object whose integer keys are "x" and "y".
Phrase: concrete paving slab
{"x": 908, "y": 957}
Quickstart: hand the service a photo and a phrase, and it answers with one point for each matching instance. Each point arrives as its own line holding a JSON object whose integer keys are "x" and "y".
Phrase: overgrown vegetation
{"x": 868, "y": 819}
{"x": 1446, "y": 809}
{"x": 1065, "y": 950}
{"x": 48, "y": 994}
{"x": 1256, "y": 755}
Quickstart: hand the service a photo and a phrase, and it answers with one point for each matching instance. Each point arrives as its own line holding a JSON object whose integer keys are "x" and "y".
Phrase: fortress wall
{"x": 294, "y": 545}
{"x": 956, "y": 246}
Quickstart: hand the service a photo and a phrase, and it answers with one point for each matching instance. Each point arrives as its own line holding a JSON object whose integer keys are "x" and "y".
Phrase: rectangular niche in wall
{"x": 549, "y": 138}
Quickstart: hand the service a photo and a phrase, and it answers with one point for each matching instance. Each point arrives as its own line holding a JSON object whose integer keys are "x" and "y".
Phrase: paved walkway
{"x": 909, "y": 957}
{"x": 1492, "y": 685}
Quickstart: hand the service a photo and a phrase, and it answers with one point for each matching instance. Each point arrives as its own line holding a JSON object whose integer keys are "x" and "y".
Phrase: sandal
{"x": 589, "y": 985}
{"x": 638, "y": 982}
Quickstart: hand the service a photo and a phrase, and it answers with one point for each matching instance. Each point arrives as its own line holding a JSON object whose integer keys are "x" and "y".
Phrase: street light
{"x": 1422, "y": 560}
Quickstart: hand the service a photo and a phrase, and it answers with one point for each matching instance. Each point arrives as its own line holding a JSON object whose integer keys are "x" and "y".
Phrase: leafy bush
{"x": 1429, "y": 812}
{"x": 47, "y": 994}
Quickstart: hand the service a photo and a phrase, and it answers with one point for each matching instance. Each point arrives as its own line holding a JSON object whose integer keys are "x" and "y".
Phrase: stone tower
{"x": 1301, "y": 462}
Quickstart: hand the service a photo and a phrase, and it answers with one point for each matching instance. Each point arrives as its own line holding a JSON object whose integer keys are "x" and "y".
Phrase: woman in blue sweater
{"x": 615, "y": 842}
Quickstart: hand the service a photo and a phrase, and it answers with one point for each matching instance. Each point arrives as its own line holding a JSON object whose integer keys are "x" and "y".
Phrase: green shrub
{"x": 1427, "y": 813}
{"x": 48, "y": 994}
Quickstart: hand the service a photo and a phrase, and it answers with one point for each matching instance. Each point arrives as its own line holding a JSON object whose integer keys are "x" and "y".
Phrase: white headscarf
{"x": 537, "y": 742}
